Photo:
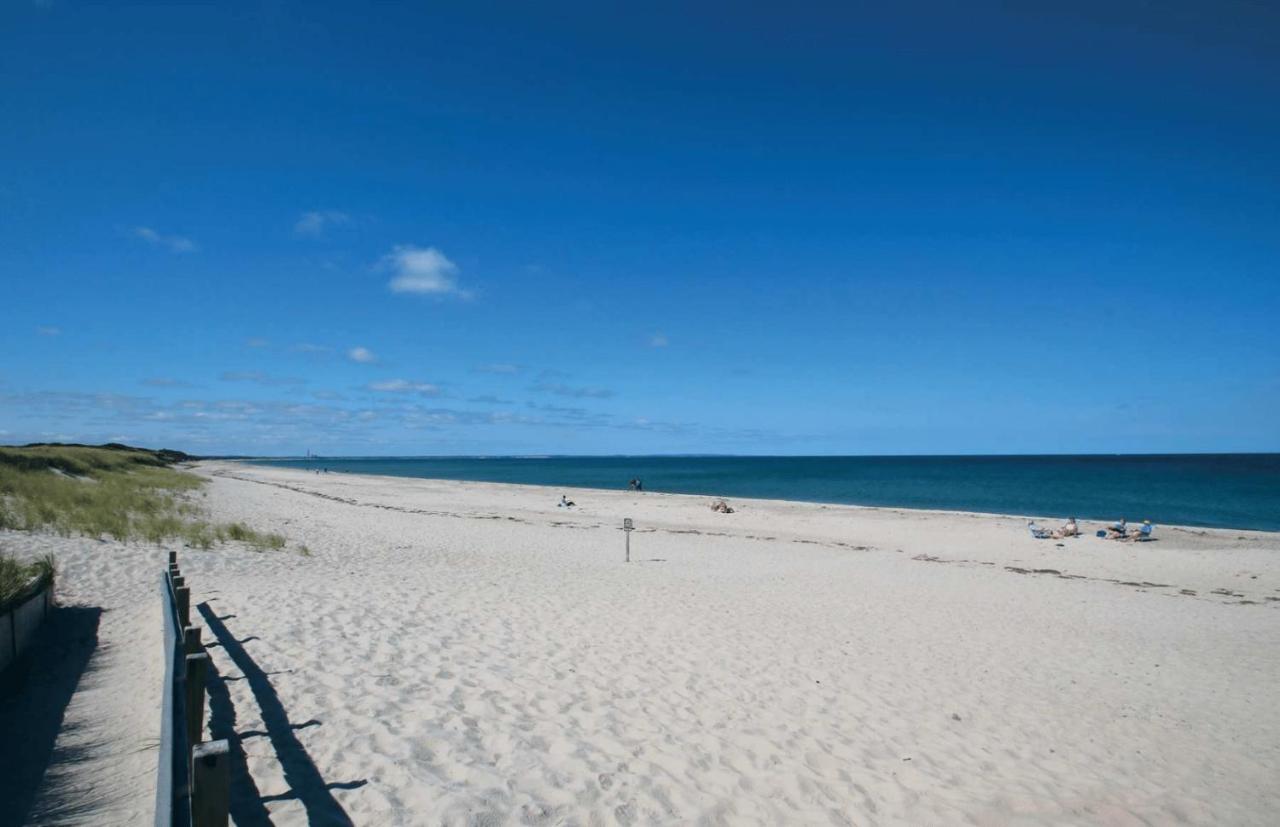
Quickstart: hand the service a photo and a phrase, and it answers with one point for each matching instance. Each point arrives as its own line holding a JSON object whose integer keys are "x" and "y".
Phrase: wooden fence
{"x": 194, "y": 776}
{"x": 22, "y": 617}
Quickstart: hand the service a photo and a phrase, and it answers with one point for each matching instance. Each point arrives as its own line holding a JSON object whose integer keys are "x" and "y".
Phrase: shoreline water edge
{"x": 1230, "y": 491}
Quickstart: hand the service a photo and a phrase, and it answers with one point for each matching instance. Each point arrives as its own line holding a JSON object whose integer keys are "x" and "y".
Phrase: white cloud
{"x": 49, "y": 330}
{"x": 362, "y": 355}
{"x": 404, "y": 386}
{"x": 420, "y": 270}
{"x": 313, "y": 224}
{"x": 659, "y": 340}
{"x": 175, "y": 243}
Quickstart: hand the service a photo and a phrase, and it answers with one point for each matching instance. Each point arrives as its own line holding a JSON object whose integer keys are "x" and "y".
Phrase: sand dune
{"x": 456, "y": 653}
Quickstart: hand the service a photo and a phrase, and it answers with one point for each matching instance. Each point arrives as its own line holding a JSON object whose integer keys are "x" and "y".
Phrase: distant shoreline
{"x": 554, "y": 488}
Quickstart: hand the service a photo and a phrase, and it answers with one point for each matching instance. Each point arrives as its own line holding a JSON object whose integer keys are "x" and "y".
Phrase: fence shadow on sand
{"x": 248, "y": 805}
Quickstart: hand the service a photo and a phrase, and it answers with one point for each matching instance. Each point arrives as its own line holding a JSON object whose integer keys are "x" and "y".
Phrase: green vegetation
{"x": 17, "y": 579}
{"x": 113, "y": 490}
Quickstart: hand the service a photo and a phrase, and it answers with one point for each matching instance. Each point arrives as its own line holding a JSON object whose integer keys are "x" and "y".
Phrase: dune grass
{"x": 17, "y": 578}
{"x": 123, "y": 493}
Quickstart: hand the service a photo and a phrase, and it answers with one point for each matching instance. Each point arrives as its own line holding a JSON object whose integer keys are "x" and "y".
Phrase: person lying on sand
{"x": 1069, "y": 529}
{"x": 722, "y": 507}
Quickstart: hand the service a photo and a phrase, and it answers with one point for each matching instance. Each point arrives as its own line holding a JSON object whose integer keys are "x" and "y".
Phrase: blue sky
{"x": 530, "y": 228}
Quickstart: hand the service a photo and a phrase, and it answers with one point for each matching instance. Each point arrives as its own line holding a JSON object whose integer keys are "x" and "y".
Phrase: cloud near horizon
{"x": 259, "y": 378}
{"x": 222, "y": 425}
{"x": 404, "y": 386}
{"x": 559, "y": 389}
{"x": 314, "y": 224}
{"x": 166, "y": 382}
{"x": 498, "y": 368}
{"x": 174, "y": 243}
{"x": 422, "y": 270}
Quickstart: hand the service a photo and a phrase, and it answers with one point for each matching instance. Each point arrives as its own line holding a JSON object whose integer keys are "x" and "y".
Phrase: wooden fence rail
{"x": 193, "y": 779}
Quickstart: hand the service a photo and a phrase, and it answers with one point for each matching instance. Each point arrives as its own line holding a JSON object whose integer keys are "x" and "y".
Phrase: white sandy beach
{"x": 466, "y": 653}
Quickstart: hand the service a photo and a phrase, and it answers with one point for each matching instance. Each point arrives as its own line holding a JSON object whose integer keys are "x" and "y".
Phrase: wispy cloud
{"x": 307, "y": 347}
{"x": 256, "y": 341}
{"x": 49, "y": 330}
{"x": 420, "y": 270}
{"x": 314, "y": 224}
{"x": 362, "y": 355}
{"x": 659, "y": 340}
{"x": 259, "y": 378}
{"x": 174, "y": 243}
{"x": 404, "y": 386}
{"x": 560, "y": 389}
{"x": 223, "y": 423}
{"x": 165, "y": 382}
{"x": 498, "y": 368}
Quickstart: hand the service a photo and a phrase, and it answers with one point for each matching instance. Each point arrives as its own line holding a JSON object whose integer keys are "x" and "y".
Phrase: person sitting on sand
{"x": 722, "y": 507}
{"x": 1142, "y": 533}
{"x": 1069, "y": 529}
{"x": 1118, "y": 531}
{"x": 565, "y": 502}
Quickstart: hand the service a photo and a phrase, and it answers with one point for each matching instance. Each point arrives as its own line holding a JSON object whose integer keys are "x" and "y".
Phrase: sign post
{"x": 627, "y": 528}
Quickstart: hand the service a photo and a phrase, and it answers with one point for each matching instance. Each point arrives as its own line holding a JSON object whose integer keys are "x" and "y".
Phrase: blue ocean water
{"x": 1215, "y": 490}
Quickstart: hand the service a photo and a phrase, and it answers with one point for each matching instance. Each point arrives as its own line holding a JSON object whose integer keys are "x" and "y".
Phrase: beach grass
{"x": 17, "y": 577}
{"x": 126, "y": 494}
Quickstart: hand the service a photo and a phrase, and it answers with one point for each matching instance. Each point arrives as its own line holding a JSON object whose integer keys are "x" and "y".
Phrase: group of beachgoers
{"x": 635, "y": 484}
{"x": 1118, "y": 530}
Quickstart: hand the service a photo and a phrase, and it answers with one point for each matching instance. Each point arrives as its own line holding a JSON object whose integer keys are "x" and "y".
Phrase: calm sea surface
{"x": 1221, "y": 490}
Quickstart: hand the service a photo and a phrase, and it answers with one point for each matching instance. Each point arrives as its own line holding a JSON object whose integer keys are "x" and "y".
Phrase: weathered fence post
{"x": 173, "y": 559}
{"x": 183, "y": 595}
{"x": 197, "y": 668}
{"x": 191, "y": 644}
{"x": 210, "y": 784}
